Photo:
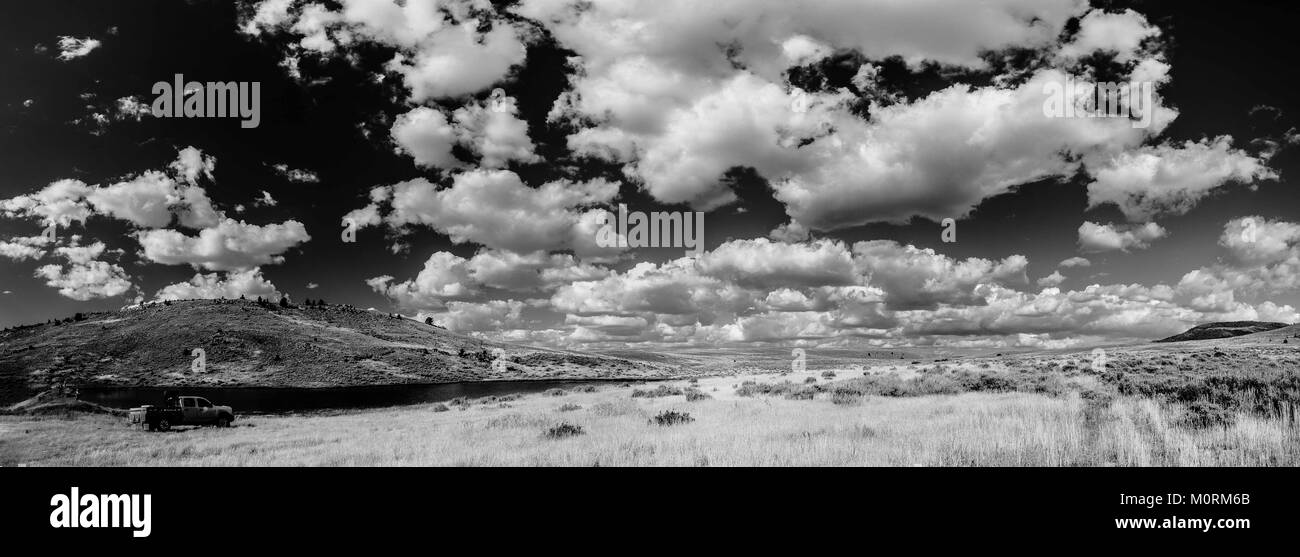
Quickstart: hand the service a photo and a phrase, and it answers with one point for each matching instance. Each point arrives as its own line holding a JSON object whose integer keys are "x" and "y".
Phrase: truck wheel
{"x": 163, "y": 424}
{"x": 223, "y": 422}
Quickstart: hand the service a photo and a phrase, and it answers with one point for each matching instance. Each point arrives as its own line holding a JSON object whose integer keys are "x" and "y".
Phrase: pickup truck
{"x": 181, "y": 410}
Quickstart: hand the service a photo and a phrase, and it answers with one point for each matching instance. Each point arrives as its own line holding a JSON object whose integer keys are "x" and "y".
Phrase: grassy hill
{"x": 1223, "y": 330}
{"x": 247, "y": 344}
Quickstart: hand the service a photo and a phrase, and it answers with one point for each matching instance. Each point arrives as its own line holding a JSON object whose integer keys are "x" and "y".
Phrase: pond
{"x": 296, "y": 399}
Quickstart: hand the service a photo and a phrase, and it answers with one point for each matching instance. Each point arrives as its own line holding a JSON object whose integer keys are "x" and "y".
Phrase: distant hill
{"x": 251, "y": 344}
{"x": 1227, "y": 329}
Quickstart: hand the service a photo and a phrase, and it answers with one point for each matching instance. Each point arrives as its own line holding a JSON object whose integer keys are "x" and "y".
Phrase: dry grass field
{"x": 794, "y": 425}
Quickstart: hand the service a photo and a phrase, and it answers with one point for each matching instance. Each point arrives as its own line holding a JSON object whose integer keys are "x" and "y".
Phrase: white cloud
{"x": 1051, "y": 281}
{"x": 495, "y": 209}
{"x": 915, "y": 278}
{"x": 23, "y": 248}
{"x": 86, "y": 281}
{"x": 425, "y": 135}
{"x": 529, "y": 272}
{"x": 493, "y": 131}
{"x": 1170, "y": 179}
{"x": 81, "y": 254}
{"x": 230, "y": 245}
{"x": 1075, "y": 262}
{"x": 1120, "y": 33}
{"x": 761, "y": 262}
{"x": 1095, "y": 237}
{"x": 296, "y": 175}
{"x": 72, "y": 47}
{"x": 191, "y": 164}
{"x": 62, "y": 202}
{"x": 150, "y": 199}
{"x": 444, "y": 50}
{"x": 1255, "y": 240}
{"x": 265, "y": 200}
{"x": 208, "y": 286}
{"x": 445, "y": 277}
{"x": 486, "y": 316}
{"x": 680, "y": 94}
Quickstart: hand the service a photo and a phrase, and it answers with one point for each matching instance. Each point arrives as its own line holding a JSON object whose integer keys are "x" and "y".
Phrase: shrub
{"x": 1203, "y": 415}
{"x": 802, "y": 393}
{"x": 569, "y": 407}
{"x": 440, "y": 407}
{"x": 785, "y": 388}
{"x": 845, "y": 397}
{"x": 672, "y": 417}
{"x": 828, "y": 375}
{"x": 988, "y": 383}
{"x": 554, "y": 392}
{"x": 693, "y": 395}
{"x": 657, "y": 392}
{"x": 810, "y": 380}
{"x": 564, "y": 430}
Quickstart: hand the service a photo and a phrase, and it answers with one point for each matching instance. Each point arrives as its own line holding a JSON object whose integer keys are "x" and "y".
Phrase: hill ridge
{"x": 247, "y": 344}
{"x": 1224, "y": 329}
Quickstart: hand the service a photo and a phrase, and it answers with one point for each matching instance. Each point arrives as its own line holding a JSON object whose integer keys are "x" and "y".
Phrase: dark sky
{"x": 1230, "y": 75}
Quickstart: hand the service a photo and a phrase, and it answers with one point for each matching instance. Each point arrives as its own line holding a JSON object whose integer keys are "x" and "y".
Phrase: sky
{"x": 473, "y": 150}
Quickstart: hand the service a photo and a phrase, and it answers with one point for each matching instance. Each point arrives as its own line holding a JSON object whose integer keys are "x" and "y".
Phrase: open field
{"x": 838, "y": 423}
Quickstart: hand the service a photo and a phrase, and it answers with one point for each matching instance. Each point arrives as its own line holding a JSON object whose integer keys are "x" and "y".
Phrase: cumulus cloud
{"x": 152, "y": 202}
{"x": 761, "y": 262}
{"x": 530, "y": 272}
{"x": 445, "y": 49}
{"x": 494, "y": 132}
{"x": 915, "y": 278}
{"x": 1264, "y": 259}
{"x": 1075, "y": 262}
{"x": 208, "y": 286}
{"x": 150, "y": 199}
{"x": 680, "y": 95}
{"x": 86, "y": 280}
{"x": 60, "y": 203}
{"x": 228, "y": 246}
{"x": 1171, "y": 179}
{"x": 1095, "y": 237}
{"x": 427, "y": 137}
{"x": 22, "y": 248}
{"x": 445, "y": 276}
{"x": 1255, "y": 240}
{"x": 1119, "y": 33}
{"x": 1051, "y": 281}
{"x": 521, "y": 219}
{"x": 485, "y": 316}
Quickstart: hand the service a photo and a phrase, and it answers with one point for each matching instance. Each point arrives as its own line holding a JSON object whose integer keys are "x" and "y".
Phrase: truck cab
{"x": 197, "y": 410}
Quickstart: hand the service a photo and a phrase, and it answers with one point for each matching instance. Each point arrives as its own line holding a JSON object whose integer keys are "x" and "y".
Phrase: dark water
{"x": 277, "y": 399}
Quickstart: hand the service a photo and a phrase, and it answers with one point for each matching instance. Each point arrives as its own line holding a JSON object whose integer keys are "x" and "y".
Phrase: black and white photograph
{"x": 934, "y": 234}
